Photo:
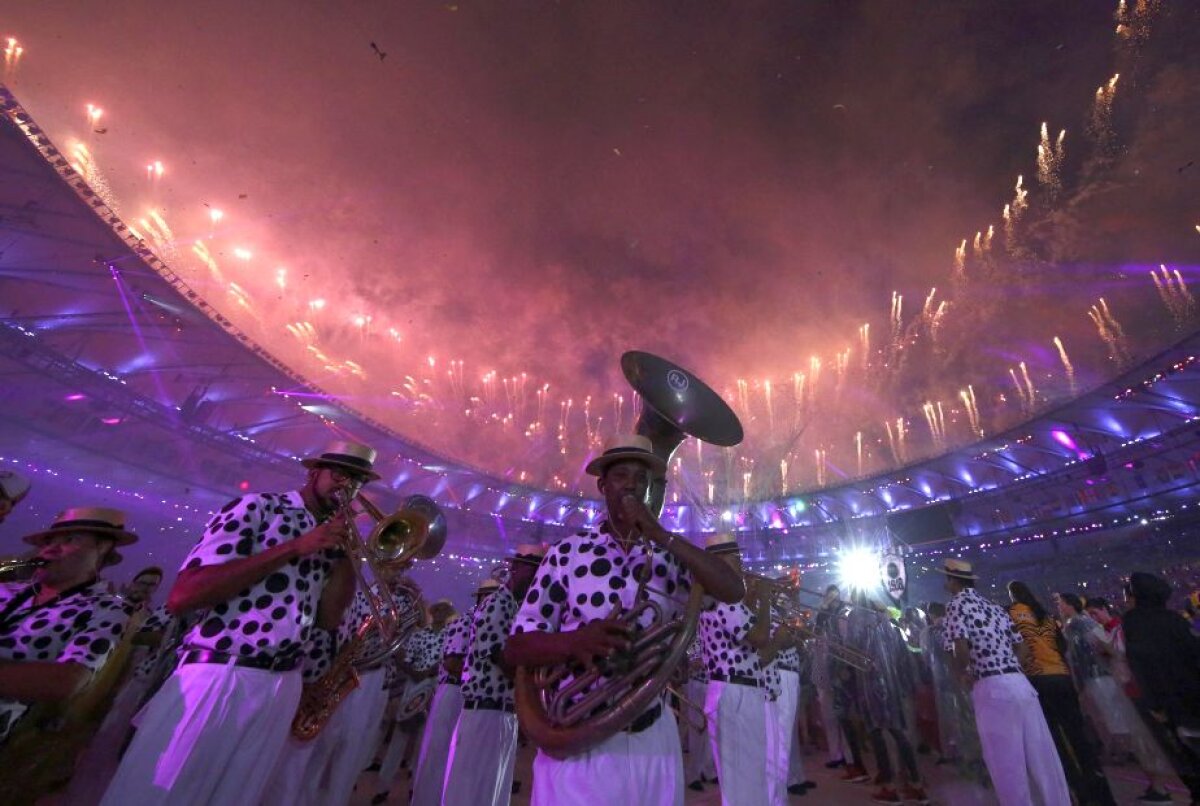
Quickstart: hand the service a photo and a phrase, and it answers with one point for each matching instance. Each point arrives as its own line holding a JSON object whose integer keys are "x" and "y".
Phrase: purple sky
{"x": 536, "y": 187}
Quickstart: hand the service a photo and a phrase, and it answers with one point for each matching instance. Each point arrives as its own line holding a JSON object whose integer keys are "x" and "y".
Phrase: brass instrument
{"x": 781, "y": 594}
{"x": 16, "y": 569}
{"x": 565, "y": 710}
{"x": 320, "y": 699}
{"x": 416, "y": 699}
{"x": 417, "y": 530}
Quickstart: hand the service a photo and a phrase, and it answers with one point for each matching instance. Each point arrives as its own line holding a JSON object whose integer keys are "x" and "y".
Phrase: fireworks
{"x": 1100, "y": 123}
{"x": 858, "y": 450}
{"x": 1049, "y": 161}
{"x": 1066, "y": 362}
{"x": 1110, "y": 332}
{"x": 1175, "y": 296}
{"x": 960, "y": 258}
{"x": 935, "y": 418}
{"x": 967, "y": 396}
{"x": 154, "y": 171}
{"x": 12, "y": 57}
{"x": 819, "y": 458}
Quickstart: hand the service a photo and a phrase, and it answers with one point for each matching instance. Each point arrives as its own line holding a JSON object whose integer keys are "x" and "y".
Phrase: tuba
{"x": 563, "y": 720}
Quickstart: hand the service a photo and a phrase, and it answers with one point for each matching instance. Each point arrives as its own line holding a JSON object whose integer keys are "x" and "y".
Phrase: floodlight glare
{"x": 858, "y": 569}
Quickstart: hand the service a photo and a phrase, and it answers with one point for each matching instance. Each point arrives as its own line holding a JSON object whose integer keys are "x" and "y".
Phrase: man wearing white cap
{"x": 1017, "y": 746}
{"x": 752, "y": 763}
{"x": 484, "y": 747}
{"x": 267, "y": 570}
{"x": 564, "y": 619}
{"x": 60, "y": 628}
{"x": 13, "y": 487}
{"x": 447, "y": 702}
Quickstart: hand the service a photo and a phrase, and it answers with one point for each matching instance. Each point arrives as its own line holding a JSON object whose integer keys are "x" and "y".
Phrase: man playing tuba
{"x": 565, "y": 619}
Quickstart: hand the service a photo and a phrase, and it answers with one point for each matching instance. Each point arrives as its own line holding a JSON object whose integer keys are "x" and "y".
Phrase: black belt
{"x": 283, "y": 663}
{"x": 644, "y": 721}
{"x": 996, "y": 672}
{"x": 736, "y": 679}
{"x": 489, "y": 705}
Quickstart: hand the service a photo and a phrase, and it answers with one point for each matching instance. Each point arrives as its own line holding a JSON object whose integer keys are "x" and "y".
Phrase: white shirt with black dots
{"x": 272, "y": 617}
{"x": 423, "y": 649}
{"x": 458, "y": 642}
{"x": 83, "y": 626}
{"x": 486, "y": 682}
{"x": 989, "y": 630}
{"x": 723, "y": 630}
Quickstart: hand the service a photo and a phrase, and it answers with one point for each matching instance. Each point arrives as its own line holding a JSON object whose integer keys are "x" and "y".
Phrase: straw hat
{"x": 721, "y": 544}
{"x": 101, "y": 521}
{"x": 349, "y": 455}
{"x": 960, "y": 569}
{"x": 624, "y": 447}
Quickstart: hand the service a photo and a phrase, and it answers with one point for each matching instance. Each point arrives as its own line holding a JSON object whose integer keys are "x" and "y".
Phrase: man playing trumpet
{"x": 564, "y": 619}
{"x": 267, "y": 570}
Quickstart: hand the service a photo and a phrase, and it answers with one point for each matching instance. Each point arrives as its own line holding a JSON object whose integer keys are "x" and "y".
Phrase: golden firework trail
{"x": 798, "y": 382}
{"x": 814, "y": 374}
{"x": 858, "y": 449}
{"x": 936, "y": 427}
{"x": 770, "y": 404}
{"x": 743, "y": 390}
{"x": 819, "y": 457}
{"x": 1175, "y": 295}
{"x": 12, "y": 57}
{"x": 1111, "y": 332}
{"x": 783, "y": 469}
{"x": 967, "y": 396}
{"x": 1066, "y": 362}
{"x": 960, "y": 258}
{"x": 1012, "y": 373}
{"x": 1030, "y": 390}
{"x": 1049, "y": 160}
{"x": 864, "y": 340}
{"x": 1100, "y": 124}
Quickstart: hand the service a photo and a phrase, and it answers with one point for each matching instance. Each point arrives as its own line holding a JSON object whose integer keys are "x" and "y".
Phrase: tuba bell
{"x": 676, "y": 405}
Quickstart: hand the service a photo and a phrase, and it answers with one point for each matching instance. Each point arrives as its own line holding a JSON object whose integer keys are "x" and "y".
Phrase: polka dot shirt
{"x": 988, "y": 629}
{"x": 83, "y": 627}
{"x": 723, "y": 630}
{"x": 458, "y": 642}
{"x": 491, "y": 624}
{"x": 585, "y": 575}
{"x": 423, "y": 649}
{"x": 788, "y": 659}
{"x": 274, "y": 616}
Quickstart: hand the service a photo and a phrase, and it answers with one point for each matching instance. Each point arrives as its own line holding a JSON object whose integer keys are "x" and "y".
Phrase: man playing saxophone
{"x": 268, "y": 568}
{"x": 565, "y": 619}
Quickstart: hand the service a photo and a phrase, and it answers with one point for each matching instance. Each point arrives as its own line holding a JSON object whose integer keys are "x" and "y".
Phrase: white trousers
{"x": 1017, "y": 746}
{"x": 781, "y": 730}
{"x": 833, "y": 731}
{"x": 628, "y": 769}
{"x": 435, "y": 745}
{"x": 98, "y": 762}
{"x": 482, "y": 754}
{"x": 795, "y": 764}
{"x": 737, "y": 728}
{"x": 699, "y": 759}
{"x": 211, "y": 735}
{"x": 322, "y": 771}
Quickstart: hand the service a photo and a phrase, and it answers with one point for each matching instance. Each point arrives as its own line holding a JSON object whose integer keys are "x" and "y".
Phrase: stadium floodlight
{"x": 858, "y": 569}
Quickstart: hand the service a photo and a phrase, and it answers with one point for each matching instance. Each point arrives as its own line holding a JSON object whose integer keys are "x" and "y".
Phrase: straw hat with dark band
{"x": 721, "y": 544}
{"x": 349, "y": 455}
{"x": 959, "y": 569}
{"x": 623, "y": 448}
{"x": 529, "y": 554}
{"x": 100, "y": 521}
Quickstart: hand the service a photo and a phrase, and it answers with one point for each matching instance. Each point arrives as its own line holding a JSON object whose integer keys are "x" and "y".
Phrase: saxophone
{"x": 320, "y": 699}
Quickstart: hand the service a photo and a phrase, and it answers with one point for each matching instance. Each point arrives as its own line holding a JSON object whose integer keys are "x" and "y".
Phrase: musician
{"x": 417, "y": 662}
{"x": 434, "y": 755}
{"x": 698, "y": 766}
{"x": 563, "y": 619}
{"x": 788, "y": 715}
{"x": 13, "y": 488}
{"x": 825, "y": 627}
{"x": 737, "y": 644}
{"x": 267, "y": 569}
{"x": 61, "y": 627}
{"x": 1017, "y": 746}
{"x": 484, "y": 747}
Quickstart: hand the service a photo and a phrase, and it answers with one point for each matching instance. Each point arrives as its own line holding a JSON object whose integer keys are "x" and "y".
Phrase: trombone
{"x": 795, "y": 616}
{"x": 415, "y": 531}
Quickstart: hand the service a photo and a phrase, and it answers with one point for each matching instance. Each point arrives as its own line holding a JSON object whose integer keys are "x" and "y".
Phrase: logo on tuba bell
{"x": 677, "y": 380}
